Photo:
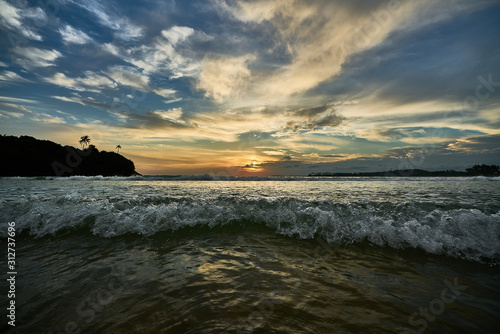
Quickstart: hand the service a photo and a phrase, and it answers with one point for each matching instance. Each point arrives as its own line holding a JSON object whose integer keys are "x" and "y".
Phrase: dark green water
{"x": 245, "y": 280}
{"x": 256, "y": 257}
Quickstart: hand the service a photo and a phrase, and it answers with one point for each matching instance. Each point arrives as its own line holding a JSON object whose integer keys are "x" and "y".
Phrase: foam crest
{"x": 470, "y": 233}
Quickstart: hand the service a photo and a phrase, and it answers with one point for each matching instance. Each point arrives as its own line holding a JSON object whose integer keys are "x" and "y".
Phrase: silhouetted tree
{"x": 84, "y": 140}
{"x": 485, "y": 170}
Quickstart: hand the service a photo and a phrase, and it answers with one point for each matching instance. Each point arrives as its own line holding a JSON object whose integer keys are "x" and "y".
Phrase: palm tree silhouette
{"x": 84, "y": 140}
{"x": 118, "y": 147}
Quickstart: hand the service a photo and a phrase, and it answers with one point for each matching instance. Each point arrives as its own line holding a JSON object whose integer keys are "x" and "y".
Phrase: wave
{"x": 471, "y": 233}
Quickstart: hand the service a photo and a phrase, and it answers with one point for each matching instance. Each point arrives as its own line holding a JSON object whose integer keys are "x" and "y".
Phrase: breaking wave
{"x": 471, "y": 233}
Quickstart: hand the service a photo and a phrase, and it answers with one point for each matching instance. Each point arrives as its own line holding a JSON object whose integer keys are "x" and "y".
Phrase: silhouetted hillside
{"x": 486, "y": 170}
{"x": 477, "y": 170}
{"x": 27, "y": 156}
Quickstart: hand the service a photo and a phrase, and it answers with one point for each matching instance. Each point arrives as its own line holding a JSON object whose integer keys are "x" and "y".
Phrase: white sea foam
{"x": 460, "y": 232}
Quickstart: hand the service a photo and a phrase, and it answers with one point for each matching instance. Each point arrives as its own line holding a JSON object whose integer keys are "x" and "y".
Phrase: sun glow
{"x": 253, "y": 166}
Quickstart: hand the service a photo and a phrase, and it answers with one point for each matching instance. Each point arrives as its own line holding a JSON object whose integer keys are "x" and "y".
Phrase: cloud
{"x": 224, "y": 77}
{"x": 31, "y": 57}
{"x": 165, "y": 92}
{"x": 122, "y": 26}
{"x": 413, "y": 129}
{"x": 84, "y": 101}
{"x": 310, "y": 113}
{"x": 177, "y": 34}
{"x": 17, "y": 100}
{"x": 132, "y": 77}
{"x": 172, "y": 100}
{"x": 274, "y": 152}
{"x": 314, "y": 40}
{"x": 319, "y": 36}
{"x": 483, "y": 147}
{"x": 318, "y": 80}
{"x": 19, "y": 111}
{"x": 456, "y": 154}
{"x": 285, "y": 166}
{"x": 9, "y": 76}
{"x": 328, "y": 118}
{"x": 303, "y": 119}
{"x": 483, "y": 144}
{"x": 72, "y": 35}
{"x": 12, "y": 17}
{"x": 419, "y": 114}
{"x": 152, "y": 120}
{"x": 312, "y": 142}
{"x": 91, "y": 82}
{"x": 162, "y": 55}
{"x": 46, "y": 118}
{"x": 113, "y": 49}
{"x": 129, "y": 76}
{"x": 171, "y": 114}
{"x": 9, "y": 14}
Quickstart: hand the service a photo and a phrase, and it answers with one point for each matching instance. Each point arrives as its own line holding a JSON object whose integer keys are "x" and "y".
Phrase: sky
{"x": 264, "y": 87}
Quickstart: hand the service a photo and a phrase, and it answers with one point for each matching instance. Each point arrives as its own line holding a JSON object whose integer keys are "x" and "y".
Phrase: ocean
{"x": 199, "y": 254}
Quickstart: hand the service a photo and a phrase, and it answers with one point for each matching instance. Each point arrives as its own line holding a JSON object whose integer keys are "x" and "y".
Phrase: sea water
{"x": 253, "y": 255}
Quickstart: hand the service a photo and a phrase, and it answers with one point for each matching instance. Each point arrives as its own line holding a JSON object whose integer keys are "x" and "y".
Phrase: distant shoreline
{"x": 477, "y": 170}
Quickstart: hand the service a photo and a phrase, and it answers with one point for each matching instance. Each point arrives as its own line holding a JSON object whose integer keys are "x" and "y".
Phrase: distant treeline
{"x": 477, "y": 170}
{"x": 27, "y": 156}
